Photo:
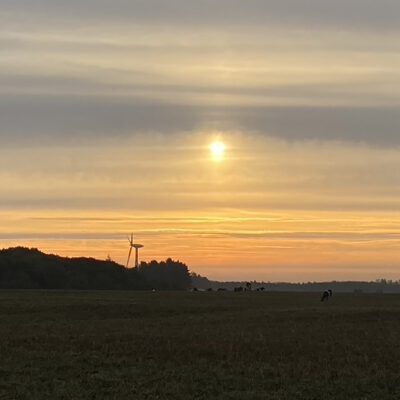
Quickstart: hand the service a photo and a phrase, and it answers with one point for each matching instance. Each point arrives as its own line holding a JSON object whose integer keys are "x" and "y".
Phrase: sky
{"x": 108, "y": 110}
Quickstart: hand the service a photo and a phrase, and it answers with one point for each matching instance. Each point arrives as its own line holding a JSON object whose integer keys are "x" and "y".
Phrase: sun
{"x": 218, "y": 150}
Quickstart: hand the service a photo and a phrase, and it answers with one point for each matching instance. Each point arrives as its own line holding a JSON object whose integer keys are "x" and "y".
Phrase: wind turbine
{"x": 135, "y": 246}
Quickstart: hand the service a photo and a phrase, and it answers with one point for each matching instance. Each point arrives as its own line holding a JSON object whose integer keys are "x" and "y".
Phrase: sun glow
{"x": 218, "y": 150}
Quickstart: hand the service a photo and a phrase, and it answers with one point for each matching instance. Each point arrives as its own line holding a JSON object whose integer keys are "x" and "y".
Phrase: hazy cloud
{"x": 64, "y": 117}
{"x": 345, "y": 14}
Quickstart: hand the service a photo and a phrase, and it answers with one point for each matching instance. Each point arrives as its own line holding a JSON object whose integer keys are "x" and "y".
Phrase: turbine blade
{"x": 129, "y": 257}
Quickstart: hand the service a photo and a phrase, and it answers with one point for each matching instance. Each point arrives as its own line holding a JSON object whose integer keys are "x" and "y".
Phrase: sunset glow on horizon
{"x": 257, "y": 141}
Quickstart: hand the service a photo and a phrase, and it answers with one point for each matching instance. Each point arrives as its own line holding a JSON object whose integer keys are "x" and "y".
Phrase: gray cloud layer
{"x": 348, "y": 14}
{"x": 53, "y": 117}
{"x": 54, "y": 85}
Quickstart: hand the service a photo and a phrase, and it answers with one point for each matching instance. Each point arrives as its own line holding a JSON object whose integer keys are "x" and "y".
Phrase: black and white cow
{"x": 326, "y": 295}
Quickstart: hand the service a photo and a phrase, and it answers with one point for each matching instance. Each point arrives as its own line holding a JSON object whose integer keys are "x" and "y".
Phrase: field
{"x": 182, "y": 346}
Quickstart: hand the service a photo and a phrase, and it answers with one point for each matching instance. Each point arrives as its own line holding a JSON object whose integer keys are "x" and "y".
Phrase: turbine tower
{"x": 135, "y": 246}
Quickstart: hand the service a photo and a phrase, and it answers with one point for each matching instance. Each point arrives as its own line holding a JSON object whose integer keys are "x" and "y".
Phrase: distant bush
{"x": 23, "y": 268}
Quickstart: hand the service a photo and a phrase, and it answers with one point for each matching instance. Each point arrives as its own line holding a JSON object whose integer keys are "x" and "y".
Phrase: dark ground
{"x": 183, "y": 346}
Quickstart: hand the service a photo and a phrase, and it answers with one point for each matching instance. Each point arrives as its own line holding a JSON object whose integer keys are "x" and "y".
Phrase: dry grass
{"x": 132, "y": 345}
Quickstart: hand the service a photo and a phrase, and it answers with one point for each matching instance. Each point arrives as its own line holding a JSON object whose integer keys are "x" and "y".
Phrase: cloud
{"x": 174, "y": 172}
{"x": 344, "y": 14}
{"x": 74, "y": 118}
{"x": 130, "y": 67}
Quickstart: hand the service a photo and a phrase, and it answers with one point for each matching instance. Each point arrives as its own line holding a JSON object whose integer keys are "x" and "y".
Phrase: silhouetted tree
{"x": 166, "y": 275}
{"x": 31, "y": 269}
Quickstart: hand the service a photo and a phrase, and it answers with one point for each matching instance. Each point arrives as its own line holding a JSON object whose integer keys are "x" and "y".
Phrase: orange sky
{"x": 267, "y": 210}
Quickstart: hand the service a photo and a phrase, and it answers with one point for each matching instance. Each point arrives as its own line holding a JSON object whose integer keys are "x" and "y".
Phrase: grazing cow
{"x": 260, "y": 289}
{"x": 239, "y": 289}
{"x": 326, "y": 295}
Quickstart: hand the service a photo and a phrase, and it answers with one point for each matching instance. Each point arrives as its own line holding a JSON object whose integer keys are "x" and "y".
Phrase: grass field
{"x": 143, "y": 345}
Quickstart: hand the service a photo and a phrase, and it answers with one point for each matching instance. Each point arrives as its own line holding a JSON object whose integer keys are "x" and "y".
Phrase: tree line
{"x": 378, "y": 286}
{"x": 23, "y": 268}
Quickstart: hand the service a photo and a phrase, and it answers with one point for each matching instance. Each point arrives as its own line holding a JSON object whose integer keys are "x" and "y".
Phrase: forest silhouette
{"x": 23, "y": 268}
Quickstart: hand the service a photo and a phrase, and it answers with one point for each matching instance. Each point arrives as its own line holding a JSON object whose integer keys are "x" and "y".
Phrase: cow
{"x": 326, "y": 295}
{"x": 239, "y": 289}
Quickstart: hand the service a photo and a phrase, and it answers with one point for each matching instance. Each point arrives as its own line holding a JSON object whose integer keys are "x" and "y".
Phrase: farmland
{"x": 183, "y": 345}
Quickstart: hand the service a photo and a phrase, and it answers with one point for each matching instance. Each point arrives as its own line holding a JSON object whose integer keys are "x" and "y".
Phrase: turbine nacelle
{"x": 136, "y": 246}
